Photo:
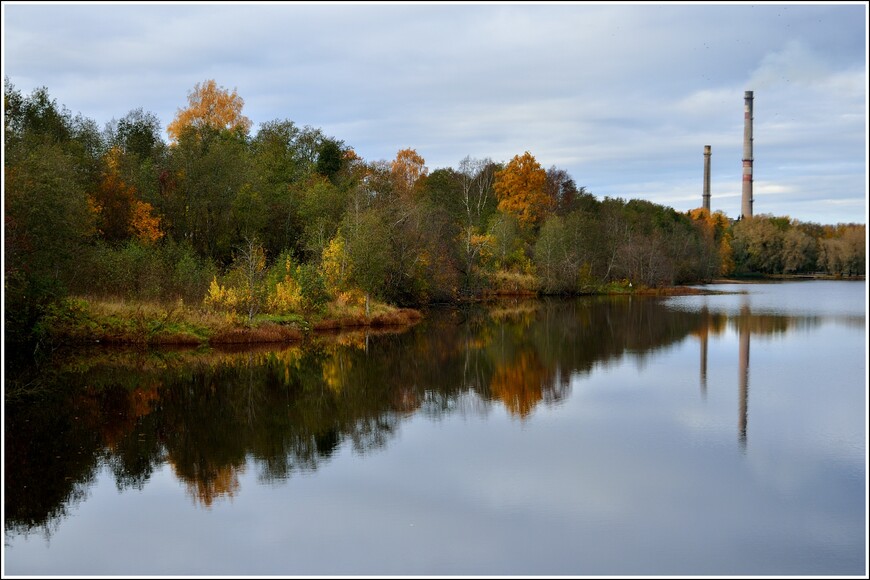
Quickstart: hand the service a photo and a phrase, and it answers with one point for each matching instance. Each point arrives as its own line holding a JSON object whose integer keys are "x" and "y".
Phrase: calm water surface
{"x": 703, "y": 435}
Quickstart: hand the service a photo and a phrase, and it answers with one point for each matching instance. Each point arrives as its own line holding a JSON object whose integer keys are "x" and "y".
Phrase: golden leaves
{"x": 520, "y": 188}
{"x": 335, "y": 266}
{"x": 406, "y": 169}
{"x": 210, "y": 106}
{"x": 287, "y": 296}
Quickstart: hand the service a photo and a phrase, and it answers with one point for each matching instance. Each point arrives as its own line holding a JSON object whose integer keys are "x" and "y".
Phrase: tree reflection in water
{"x": 213, "y": 414}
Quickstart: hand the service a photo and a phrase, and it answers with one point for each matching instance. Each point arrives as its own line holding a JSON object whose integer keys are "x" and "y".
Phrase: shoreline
{"x": 83, "y": 321}
{"x": 90, "y": 322}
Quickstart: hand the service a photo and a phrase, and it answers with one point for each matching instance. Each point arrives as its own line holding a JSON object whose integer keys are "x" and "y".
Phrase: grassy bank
{"x": 89, "y": 320}
{"x": 83, "y": 320}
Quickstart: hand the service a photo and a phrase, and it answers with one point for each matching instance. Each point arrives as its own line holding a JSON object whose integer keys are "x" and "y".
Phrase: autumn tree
{"x": 113, "y": 201}
{"x": 335, "y": 266}
{"x": 356, "y": 261}
{"x": 244, "y": 288}
{"x": 714, "y": 250}
{"x": 209, "y": 105}
{"x": 250, "y": 262}
{"x": 520, "y": 188}
{"x": 139, "y": 153}
{"x": 406, "y": 169}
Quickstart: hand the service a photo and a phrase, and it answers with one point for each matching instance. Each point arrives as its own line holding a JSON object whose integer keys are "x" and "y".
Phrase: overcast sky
{"x": 623, "y": 97}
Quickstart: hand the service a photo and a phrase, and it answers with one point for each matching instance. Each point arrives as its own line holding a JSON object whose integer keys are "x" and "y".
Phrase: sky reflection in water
{"x": 696, "y": 435}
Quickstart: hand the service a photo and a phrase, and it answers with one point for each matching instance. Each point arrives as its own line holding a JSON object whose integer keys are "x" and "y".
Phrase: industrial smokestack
{"x": 706, "y": 197}
{"x": 746, "y": 206}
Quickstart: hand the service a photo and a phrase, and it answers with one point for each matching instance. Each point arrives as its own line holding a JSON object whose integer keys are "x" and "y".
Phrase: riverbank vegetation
{"x": 99, "y": 320}
{"x": 285, "y": 228}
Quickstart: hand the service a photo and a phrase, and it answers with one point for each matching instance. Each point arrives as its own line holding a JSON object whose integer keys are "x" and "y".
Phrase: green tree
{"x": 368, "y": 246}
{"x": 553, "y": 257}
{"x": 506, "y": 241}
{"x": 139, "y": 154}
{"x": 330, "y": 159}
{"x": 208, "y": 175}
{"x": 757, "y": 245}
{"x": 47, "y": 217}
{"x": 320, "y": 209}
{"x": 799, "y": 251}
{"x": 137, "y": 134}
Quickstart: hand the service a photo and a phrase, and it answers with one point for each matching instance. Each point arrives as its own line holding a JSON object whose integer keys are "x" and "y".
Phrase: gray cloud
{"x": 624, "y": 97}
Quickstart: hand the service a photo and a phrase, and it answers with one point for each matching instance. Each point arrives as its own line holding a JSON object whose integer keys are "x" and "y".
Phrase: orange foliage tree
{"x": 119, "y": 213}
{"x": 520, "y": 188}
{"x": 210, "y": 106}
{"x": 144, "y": 225}
{"x": 112, "y": 203}
{"x": 717, "y": 229}
{"x": 407, "y": 168}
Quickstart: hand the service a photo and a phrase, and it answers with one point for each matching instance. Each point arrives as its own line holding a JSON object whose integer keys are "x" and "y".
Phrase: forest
{"x": 288, "y": 223}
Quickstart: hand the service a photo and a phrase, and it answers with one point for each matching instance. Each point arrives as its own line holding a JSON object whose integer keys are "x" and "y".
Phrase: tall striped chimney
{"x": 706, "y": 197}
{"x": 746, "y": 205}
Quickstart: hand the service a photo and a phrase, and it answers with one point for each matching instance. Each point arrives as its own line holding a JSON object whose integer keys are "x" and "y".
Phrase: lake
{"x": 697, "y": 435}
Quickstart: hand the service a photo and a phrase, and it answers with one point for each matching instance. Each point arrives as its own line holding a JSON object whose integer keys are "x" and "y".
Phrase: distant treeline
{"x": 289, "y": 219}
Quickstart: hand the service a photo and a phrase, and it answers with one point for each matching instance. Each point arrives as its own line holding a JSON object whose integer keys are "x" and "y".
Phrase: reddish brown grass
{"x": 258, "y": 334}
{"x": 397, "y": 317}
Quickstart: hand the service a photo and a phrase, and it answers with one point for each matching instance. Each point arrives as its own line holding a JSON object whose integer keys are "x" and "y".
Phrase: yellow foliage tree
{"x": 287, "y": 296}
{"x": 520, "y": 188}
{"x": 335, "y": 266}
{"x": 220, "y": 297}
{"x": 210, "y": 106}
{"x": 726, "y": 254}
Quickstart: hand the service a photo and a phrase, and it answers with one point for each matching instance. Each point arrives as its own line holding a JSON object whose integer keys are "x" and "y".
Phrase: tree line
{"x": 289, "y": 218}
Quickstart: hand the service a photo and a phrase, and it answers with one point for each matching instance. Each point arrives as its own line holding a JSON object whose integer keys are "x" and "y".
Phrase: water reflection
{"x": 746, "y": 323}
{"x": 213, "y": 414}
{"x": 743, "y": 377}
